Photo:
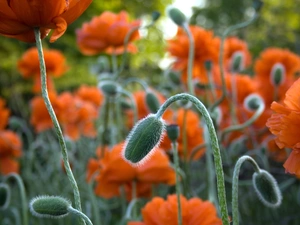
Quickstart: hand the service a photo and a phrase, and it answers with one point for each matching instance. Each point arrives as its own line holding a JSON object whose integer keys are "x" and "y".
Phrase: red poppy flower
{"x": 206, "y": 49}
{"x": 113, "y": 173}
{"x": 10, "y": 150}
{"x": 90, "y": 94}
{"x": 270, "y": 58}
{"x": 4, "y": 114}
{"x": 194, "y": 211}
{"x": 20, "y": 17}
{"x": 113, "y": 27}
{"x": 284, "y": 124}
{"x": 29, "y": 66}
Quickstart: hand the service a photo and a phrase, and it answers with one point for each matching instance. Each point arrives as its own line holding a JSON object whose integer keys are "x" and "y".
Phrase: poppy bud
{"x": 252, "y": 102}
{"x": 152, "y": 102}
{"x": 155, "y": 15}
{"x": 257, "y": 5}
{"x": 208, "y": 65}
{"x": 4, "y": 196}
{"x": 173, "y": 132}
{"x": 277, "y": 74}
{"x": 237, "y": 62}
{"x": 267, "y": 188}
{"x": 173, "y": 76}
{"x": 49, "y": 207}
{"x": 109, "y": 88}
{"x": 143, "y": 138}
{"x": 176, "y": 15}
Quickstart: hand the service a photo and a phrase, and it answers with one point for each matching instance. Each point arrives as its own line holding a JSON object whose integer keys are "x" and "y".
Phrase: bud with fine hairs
{"x": 252, "y": 102}
{"x": 143, "y": 139}
{"x": 237, "y": 62}
{"x": 152, "y": 101}
{"x": 176, "y": 16}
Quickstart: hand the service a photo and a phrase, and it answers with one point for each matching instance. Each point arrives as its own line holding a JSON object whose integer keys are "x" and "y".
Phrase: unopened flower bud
{"x": 152, "y": 102}
{"x": 267, "y": 188}
{"x": 155, "y": 15}
{"x": 143, "y": 139}
{"x": 172, "y": 132}
{"x": 4, "y": 196}
{"x": 277, "y": 74}
{"x": 49, "y": 207}
{"x": 237, "y": 62}
{"x": 173, "y": 76}
{"x": 208, "y": 65}
{"x": 252, "y": 102}
{"x": 176, "y": 15}
{"x": 257, "y": 5}
{"x": 109, "y": 88}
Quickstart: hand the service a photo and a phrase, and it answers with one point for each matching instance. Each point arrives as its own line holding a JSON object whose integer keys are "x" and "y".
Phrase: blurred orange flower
{"x": 29, "y": 66}
{"x": 194, "y": 133}
{"x": 232, "y": 46}
{"x": 4, "y": 114}
{"x": 263, "y": 67}
{"x": 194, "y": 211}
{"x": 206, "y": 49}
{"x": 10, "y": 150}
{"x": 107, "y": 33}
{"x": 285, "y": 123}
{"x": 113, "y": 173}
{"x": 90, "y": 94}
{"x": 20, "y": 17}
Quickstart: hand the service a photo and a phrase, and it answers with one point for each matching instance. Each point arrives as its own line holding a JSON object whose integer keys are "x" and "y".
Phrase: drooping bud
{"x": 237, "y": 62}
{"x": 172, "y": 132}
{"x": 155, "y": 15}
{"x": 143, "y": 139}
{"x": 152, "y": 101}
{"x": 4, "y": 196}
{"x": 267, "y": 188}
{"x": 208, "y": 65}
{"x": 109, "y": 88}
{"x": 173, "y": 76}
{"x": 49, "y": 207}
{"x": 176, "y": 15}
{"x": 277, "y": 75}
{"x": 257, "y": 5}
{"x": 252, "y": 102}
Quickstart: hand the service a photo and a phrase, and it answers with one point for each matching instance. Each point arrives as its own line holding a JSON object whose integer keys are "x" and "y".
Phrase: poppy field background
{"x": 101, "y": 86}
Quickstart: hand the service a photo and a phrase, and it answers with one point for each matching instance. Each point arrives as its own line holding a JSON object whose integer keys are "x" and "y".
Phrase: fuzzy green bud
{"x": 277, "y": 76}
{"x": 173, "y": 76}
{"x": 109, "y": 88}
{"x": 4, "y": 196}
{"x": 155, "y": 15}
{"x": 237, "y": 62}
{"x": 257, "y": 5}
{"x": 267, "y": 188}
{"x": 252, "y": 102}
{"x": 49, "y": 207}
{"x": 176, "y": 15}
{"x": 208, "y": 65}
{"x": 152, "y": 102}
{"x": 173, "y": 132}
{"x": 143, "y": 139}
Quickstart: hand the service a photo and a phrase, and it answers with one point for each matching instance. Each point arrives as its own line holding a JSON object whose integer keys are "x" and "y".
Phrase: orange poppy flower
{"x": 20, "y": 17}
{"x": 194, "y": 211}
{"x": 90, "y": 94}
{"x": 10, "y": 150}
{"x": 113, "y": 172}
{"x": 29, "y": 66}
{"x": 271, "y": 57}
{"x": 113, "y": 27}
{"x": 206, "y": 49}
{"x": 284, "y": 124}
{"x": 232, "y": 46}
{"x": 194, "y": 133}
{"x": 4, "y": 114}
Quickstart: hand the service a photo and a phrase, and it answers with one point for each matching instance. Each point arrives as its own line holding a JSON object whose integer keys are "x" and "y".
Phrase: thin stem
{"x": 22, "y": 194}
{"x": 80, "y": 214}
{"x": 238, "y": 127}
{"x": 196, "y": 150}
{"x": 135, "y": 112}
{"x": 214, "y": 143}
{"x": 235, "y": 185}
{"x": 105, "y": 125}
{"x": 191, "y": 58}
{"x": 136, "y": 80}
{"x": 57, "y": 128}
{"x": 234, "y": 96}
{"x": 212, "y": 85}
{"x": 221, "y": 55}
{"x": 178, "y": 191}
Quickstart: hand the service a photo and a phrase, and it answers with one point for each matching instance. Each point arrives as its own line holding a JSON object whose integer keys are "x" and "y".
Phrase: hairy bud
{"x": 109, "y": 88}
{"x": 237, "y": 62}
{"x": 152, "y": 102}
{"x": 155, "y": 15}
{"x": 176, "y": 15}
{"x": 252, "y": 102}
{"x": 173, "y": 132}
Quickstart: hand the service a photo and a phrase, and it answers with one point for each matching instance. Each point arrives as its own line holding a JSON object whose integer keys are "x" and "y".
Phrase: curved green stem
{"x": 221, "y": 55}
{"x": 22, "y": 194}
{"x": 80, "y": 214}
{"x": 191, "y": 58}
{"x": 238, "y": 127}
{"x": 136, "y": 80}
{"x": 55, "y": 121}
{"x": 235, "y": 185}
{"x": 214, "y": 143}
{"x": 196, "y": 150}
{"x": 178, "y": 191}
